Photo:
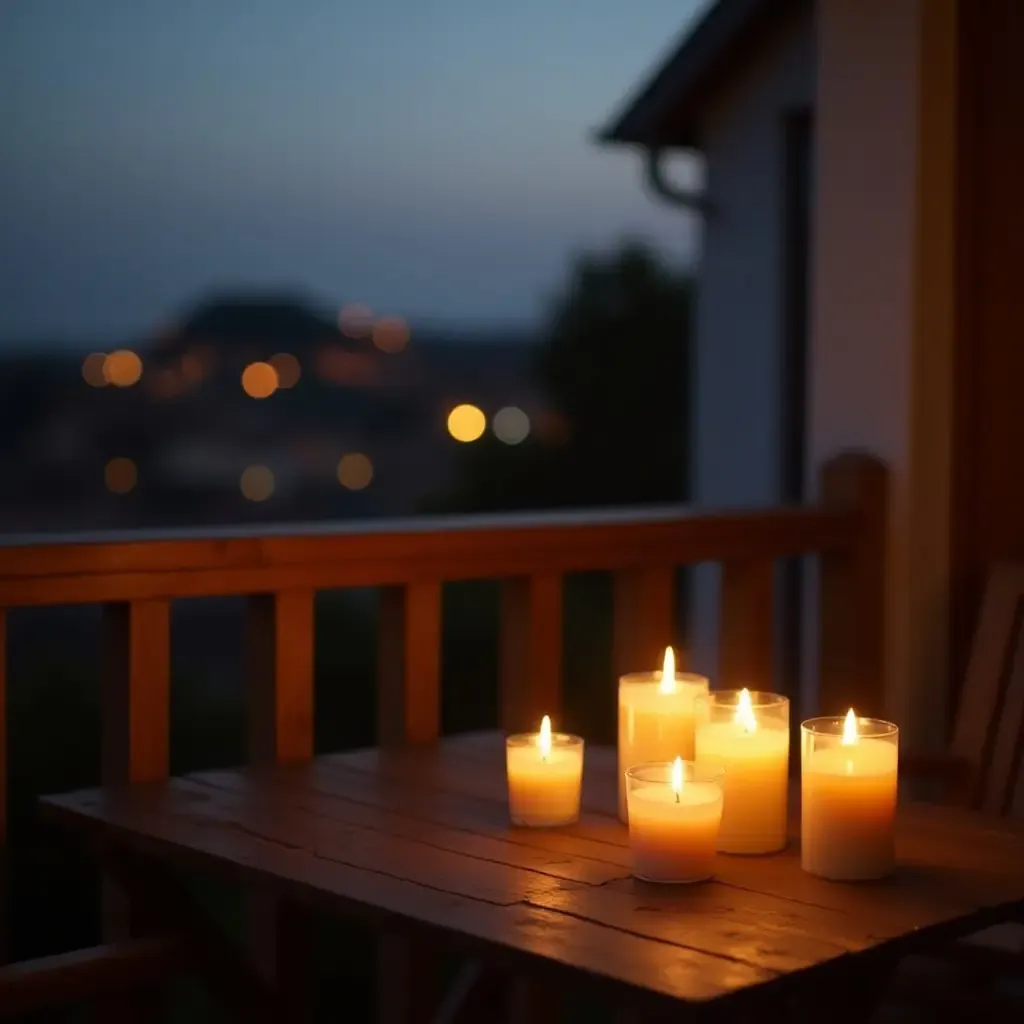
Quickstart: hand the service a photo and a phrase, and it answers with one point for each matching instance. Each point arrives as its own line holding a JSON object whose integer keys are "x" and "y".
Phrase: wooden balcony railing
{"x": 136, "y": 579}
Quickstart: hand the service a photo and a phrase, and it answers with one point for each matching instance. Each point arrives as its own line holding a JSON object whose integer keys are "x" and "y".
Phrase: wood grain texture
{"x": 417, "y": 839}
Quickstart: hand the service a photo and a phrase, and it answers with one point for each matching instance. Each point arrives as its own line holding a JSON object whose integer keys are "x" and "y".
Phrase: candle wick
{"x": 677, "y": 797}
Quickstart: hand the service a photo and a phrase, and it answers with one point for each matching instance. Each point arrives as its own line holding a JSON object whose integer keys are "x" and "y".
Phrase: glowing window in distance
{"x": 511, "y": 425}
{"x": 466, "y": 423}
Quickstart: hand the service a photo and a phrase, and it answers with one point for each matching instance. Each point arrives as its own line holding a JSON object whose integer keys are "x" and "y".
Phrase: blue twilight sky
{"x": 430, "y": 158}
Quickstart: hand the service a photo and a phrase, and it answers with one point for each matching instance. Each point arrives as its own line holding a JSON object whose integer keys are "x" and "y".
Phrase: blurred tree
{"x": 615, "y": 366}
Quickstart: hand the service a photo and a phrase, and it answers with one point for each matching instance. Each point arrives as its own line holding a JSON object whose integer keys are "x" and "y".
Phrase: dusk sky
{"x": 431, "y": 158}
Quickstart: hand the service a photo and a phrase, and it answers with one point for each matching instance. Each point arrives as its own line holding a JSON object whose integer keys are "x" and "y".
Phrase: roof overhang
{"x": 665, "y": 112}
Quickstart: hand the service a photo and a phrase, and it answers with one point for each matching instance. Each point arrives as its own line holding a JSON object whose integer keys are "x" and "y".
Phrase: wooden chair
{"x": 981, "y": 977}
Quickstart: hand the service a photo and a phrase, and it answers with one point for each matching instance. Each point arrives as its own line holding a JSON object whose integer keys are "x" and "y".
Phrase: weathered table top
{"x": 422, "y": 835}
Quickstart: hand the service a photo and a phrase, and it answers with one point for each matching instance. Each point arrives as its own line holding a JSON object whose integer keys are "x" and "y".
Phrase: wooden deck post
{"x": 852, "y": 606}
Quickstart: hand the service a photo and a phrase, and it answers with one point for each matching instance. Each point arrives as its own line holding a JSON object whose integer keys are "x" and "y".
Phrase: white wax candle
{"x": 545, "y": 772}
{"x": 848, "y": 798}
{"x": 656, "y": 718}
{"x": 672, "y": 835}
{"x": 750, "y": 741}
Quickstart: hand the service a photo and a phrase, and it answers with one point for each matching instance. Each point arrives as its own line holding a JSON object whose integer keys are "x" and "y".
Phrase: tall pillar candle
{"x": 656, "y": 717}
{"x": 849, "y": 776}
{"x": 746, "y": 733}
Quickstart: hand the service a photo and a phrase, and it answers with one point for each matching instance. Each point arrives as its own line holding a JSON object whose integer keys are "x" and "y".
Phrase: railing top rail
{"x": 190, "y": 563}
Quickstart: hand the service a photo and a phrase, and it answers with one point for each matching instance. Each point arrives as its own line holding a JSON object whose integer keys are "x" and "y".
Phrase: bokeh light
{"x": 259, "y": 380}
{"x": 92, "y": 370}
{"x": 511, "y": 425}
{"x": 466, "y": 423}
{"x": 287, "y": 368}
{"x": 390, "y": 334}
{"x": 257, "y": 483}
{"x": 122, "y": 368}
{"x": 355, "y": 471}
{"x": 355, "y": 320}
{"x": 192, "y": 367}
{"x": 120, "y": 475}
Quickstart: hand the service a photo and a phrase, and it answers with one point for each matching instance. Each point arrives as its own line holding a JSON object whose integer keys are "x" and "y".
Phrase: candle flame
{"x": 677, "y": 777}
{"x": 744, "y": 716}
{"x": 544, "y": 738}
{"x": 668, "y": 672}
{"x": 850, "y": 734}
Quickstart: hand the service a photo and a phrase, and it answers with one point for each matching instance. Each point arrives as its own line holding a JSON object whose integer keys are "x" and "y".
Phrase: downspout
{"x": 654, "y": 173}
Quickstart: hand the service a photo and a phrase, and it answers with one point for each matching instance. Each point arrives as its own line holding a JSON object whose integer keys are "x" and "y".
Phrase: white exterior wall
{"x": 739, "y": 319}
{"x": 883, "y": 307}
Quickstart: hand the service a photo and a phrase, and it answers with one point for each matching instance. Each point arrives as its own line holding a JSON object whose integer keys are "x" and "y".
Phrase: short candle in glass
{"x": 545, "y": 772}
{"x": 656, "y": 717}
{"x": 746, "y": 732}
{"x": 848, "y": 797}
{"x": 675, "y": 808}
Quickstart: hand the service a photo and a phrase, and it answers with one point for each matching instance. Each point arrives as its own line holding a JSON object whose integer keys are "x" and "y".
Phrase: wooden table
{"x": 419, "y": 838}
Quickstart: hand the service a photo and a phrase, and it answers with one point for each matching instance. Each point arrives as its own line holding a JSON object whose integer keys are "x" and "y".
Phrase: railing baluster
{"x": 644, "y": 618}
{"x": 408, "y": 711}
{"x": 409, "y": 664}
{"x": 136, "y": 691}
{"x": 851, "y": 664}
{"x": 531, "y": 651}
{"x": 279, "y": 645}
{"x": 279, "y": 652}
{"x": 746, "y": 635}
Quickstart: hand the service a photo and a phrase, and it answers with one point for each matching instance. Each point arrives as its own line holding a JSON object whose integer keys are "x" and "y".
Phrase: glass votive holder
{"x": 675, "y": 809}
{"x": 656, "y": 712}
{"x": 849, "y": 776}
{"x": 545, "y": 776}
{"x": 746, "y": 732}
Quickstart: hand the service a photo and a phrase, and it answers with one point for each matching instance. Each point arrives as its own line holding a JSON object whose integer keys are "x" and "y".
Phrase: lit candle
{"x": 656, "y": 717}
{"x": 545, "y": 771}
{"x": 675, "y": 809}
{"x": 848, "y": 796}
{"x": 747, "y": 734}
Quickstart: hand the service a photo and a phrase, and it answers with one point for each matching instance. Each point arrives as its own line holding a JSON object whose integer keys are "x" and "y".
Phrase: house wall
{"x": 883, "y": 307}
{"x": 739, "y": 350}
